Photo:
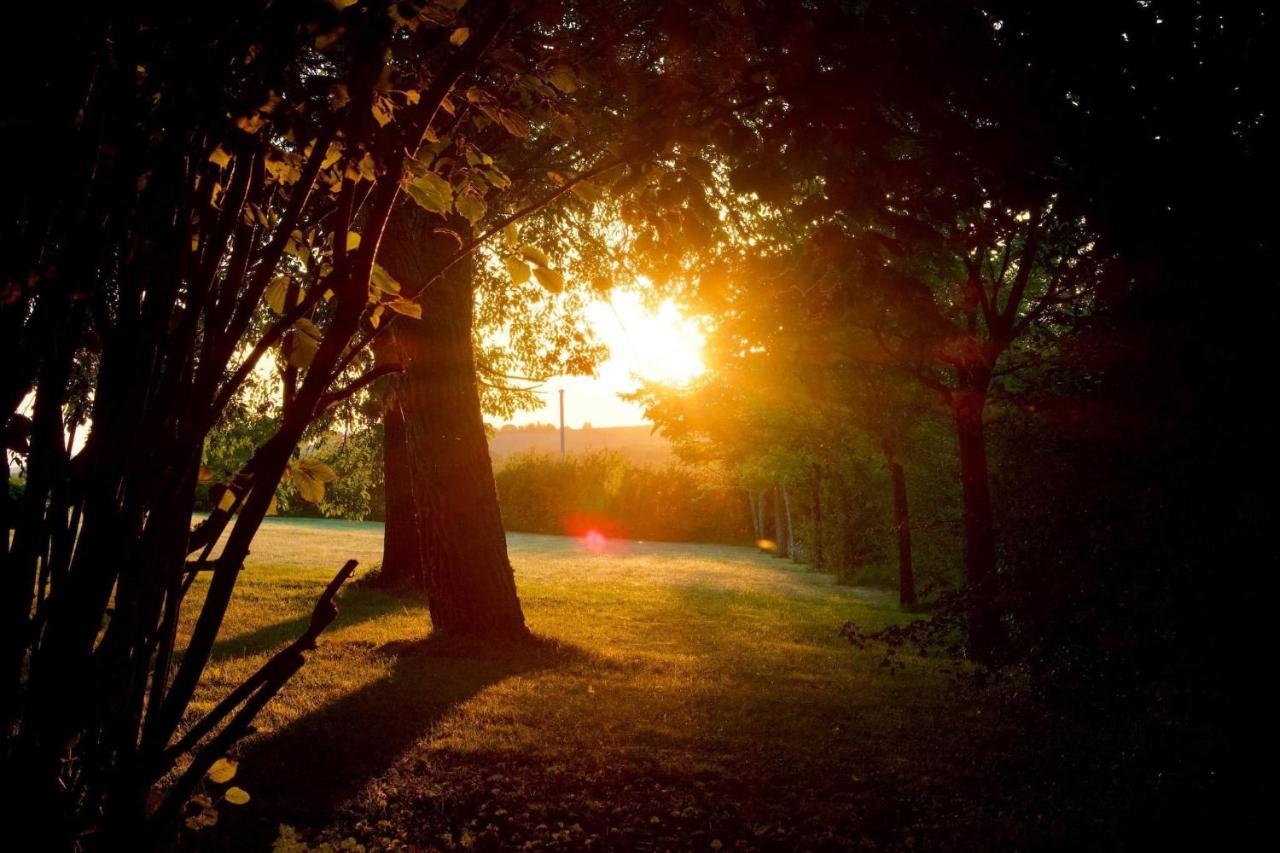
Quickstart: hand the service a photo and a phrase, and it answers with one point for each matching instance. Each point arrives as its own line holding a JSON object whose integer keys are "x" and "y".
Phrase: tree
{"x": 147, "y": 270}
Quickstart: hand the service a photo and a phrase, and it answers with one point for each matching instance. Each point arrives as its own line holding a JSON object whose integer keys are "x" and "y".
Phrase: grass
{"x": 677, "y": 697}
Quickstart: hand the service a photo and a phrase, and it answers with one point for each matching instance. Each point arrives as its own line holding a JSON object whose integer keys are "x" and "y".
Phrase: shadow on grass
{"x": 355, "y": 606}
{"x": 301, "y": 773}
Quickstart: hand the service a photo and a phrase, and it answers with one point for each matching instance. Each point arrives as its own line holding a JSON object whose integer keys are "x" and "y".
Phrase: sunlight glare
{"x": 663, "y": 345}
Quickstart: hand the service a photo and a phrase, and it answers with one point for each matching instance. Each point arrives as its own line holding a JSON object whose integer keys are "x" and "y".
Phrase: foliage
{"x": 604, "y": 491}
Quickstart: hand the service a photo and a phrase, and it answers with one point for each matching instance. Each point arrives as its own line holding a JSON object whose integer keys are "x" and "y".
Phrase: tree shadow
{"x": 300, "y": 774}
{"x": 355, "y": 606}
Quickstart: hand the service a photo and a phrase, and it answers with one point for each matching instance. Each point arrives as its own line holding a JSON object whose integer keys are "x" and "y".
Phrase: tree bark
{"x": 792, "y": 550}
{"x": 979, "y": 522}
{"x": 781, "y": 546}
{"x": 901, "y": 527}
{"x": 757, "y": 526}
{"x": 402, "y": 562}
{"x": 461, "y": 549}
{"x": 818, "y": 561}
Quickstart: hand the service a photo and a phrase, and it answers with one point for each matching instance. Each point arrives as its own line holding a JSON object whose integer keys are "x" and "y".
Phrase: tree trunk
{"x": 757, "y": 526}
{"x": 402, "y": 563}
{"x": 461, "y": 548}
{"x": 780, "y": 525}
{"x": 792, "y": 550}
{"x": 818, "y": 561}
{"x": 979, "y": 524}
{"x": 901, "y": 527}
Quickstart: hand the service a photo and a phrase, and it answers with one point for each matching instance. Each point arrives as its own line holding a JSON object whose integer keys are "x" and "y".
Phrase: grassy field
{"x": 677, "y": 697}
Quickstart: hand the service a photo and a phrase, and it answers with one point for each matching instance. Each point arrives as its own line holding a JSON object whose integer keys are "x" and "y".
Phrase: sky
{"x": 659, "y": 345}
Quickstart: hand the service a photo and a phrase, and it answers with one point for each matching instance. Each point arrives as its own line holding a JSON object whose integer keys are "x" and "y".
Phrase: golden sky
{"x": 659, "y": 344}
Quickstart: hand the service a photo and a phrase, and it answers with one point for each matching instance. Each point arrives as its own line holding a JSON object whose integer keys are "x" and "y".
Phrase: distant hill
{"x": 637, "y": 443}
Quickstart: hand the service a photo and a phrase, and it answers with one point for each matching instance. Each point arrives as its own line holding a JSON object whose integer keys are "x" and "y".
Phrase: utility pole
{"x": 561, "y": 423}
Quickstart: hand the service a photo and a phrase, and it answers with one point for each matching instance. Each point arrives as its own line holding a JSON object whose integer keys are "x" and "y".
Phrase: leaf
{"x": 471, "y": 206}
{"x": 407, "y": 307}
{"x": 205, "y": 475}
{"x": 342, "y": 4}
{"x": 305, "y": 339}
{"x": 550, "y": 279}
{"x": 381, "y": 110}
{"x": 223, "y": 771}
{"x": 310, "y": 475}
{"x": 460, "y": 35}
{"x": 518, "y": 269}
{"x": 431, "y": 192}
{"x": 586, "y": 191}
{"x": 533, "y": 253}
{"x": 514, "y": 123}
{"x": 236, "y": 796}
{"x": 220, "y": 157}
{"x": 353, "y": 241}
{"x": 278, "y": 290}
{"x": 381, "y": 280}
{"x": 563, "y": 79}
{"x": 315, "y": 468}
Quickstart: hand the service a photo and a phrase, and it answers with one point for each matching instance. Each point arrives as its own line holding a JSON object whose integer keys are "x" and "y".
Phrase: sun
{"x": 657, "y": 344}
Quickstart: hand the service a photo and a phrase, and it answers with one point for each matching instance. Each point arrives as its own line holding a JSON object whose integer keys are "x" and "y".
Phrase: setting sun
{"x": 659, "y": 345}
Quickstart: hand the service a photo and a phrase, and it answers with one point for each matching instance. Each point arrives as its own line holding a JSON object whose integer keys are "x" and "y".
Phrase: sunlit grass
{"x": 678, "y": 695}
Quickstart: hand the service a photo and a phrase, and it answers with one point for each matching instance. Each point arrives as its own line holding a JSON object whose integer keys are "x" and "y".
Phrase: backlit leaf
{"x": 518, "y": 269}
{"x": 220, "y": 157}
{"x": 222, "y": 771}
{"x": 550, "y": 279}
{"x": 431, "y": 192}
{"x": 563, "y": 79}
{"x": 236, "y": 796}
{"x": 471, "y": 206}
{"x": 460, "y": 35}
{"x": 407, "y": 307}
{"x": 536, "y": 255}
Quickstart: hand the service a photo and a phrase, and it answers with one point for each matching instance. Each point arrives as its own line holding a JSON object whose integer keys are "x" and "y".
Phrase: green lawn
{"x": 679, "y": 697}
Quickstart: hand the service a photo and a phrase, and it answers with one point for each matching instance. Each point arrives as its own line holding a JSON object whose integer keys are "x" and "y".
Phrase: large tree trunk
{"x": 901, "y": 527}
{"x": 461, "y": 549}
{"x": 402, "y": 563}
{"x": 818, "y": 561}
{"x": 979, "y": 523}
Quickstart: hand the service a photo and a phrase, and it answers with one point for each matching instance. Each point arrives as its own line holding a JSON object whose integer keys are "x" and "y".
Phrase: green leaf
{"x": 305, "y": 340}
{"x": 223, "y": 771}
{"x": 514, "y": 123}
{"x": 518, "y": 270}
{"x": 431, "y": 192}
{"x": 563, "y": 79}
{"x": 407, "y": 307}
{"x": 277, "y": 291}
{"x": 536, "y": 255}
{"x": 586, "y": 191}
{"x": 382, "y": 282}
{"x": 236, "y": 796}
{"x": 310, "y": 475}
{"x": 471, "y": 206}
{"x": 550, "y": 279}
